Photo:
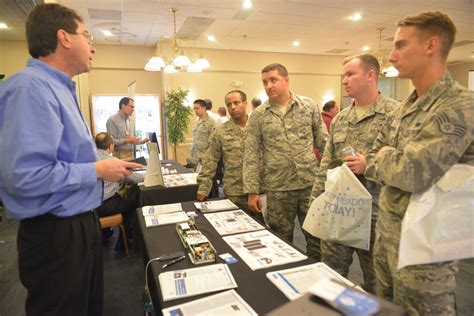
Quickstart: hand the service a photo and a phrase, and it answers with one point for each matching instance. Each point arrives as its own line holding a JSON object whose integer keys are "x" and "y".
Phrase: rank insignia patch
{"x": 448, "y": 128}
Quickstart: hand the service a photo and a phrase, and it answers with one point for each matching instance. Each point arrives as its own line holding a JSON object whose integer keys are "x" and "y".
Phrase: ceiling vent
{"x": 27, "y": 5}
{"x": 99, "y": 14}
{"x": 193, "y": 27}
{"x": 462, "y": 43}
{"x": 336, "y": 51}
{"x": 242, "y": 15}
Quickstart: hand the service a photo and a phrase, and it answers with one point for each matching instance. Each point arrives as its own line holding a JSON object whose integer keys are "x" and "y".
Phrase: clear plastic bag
{"x": 439, "y": 223}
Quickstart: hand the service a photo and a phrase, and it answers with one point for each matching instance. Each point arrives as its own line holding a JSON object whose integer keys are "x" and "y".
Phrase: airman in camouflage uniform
{"x": 202, "y": 130}
{"x": 358, "y": 130}
{"x": 432, "y": 131}
{"x": 227, "y": 142}
{"x": 280, "y": 140}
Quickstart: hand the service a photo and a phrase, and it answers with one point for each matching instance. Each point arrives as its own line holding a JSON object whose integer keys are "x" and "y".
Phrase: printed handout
{"x": 194, "y": 281}
{"x": 226, "y": 303}
{"x": 295, "y": 282}
{"x": 262, "y": 249}
{"x": 232, "y": 222}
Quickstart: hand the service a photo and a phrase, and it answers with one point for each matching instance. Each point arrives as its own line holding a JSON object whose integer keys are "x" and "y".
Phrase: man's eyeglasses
{"x": 89, "y": 37}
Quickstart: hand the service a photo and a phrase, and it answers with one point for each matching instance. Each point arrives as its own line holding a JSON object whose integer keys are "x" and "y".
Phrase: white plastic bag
{"x": 439, "y": 223}
{"x": 343, "y": 212}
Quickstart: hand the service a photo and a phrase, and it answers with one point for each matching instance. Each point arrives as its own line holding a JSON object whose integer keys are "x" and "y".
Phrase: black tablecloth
{"x": 253, "y": 286}
{"x": 161, "y": 195}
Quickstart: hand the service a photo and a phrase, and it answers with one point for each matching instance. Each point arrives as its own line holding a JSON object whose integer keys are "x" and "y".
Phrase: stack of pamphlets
{"x": 214, "y": 206}
{"x": 156, "y": 215}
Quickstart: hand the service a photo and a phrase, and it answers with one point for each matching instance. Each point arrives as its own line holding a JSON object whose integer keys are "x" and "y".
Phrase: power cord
{"x": 147, "y": 302}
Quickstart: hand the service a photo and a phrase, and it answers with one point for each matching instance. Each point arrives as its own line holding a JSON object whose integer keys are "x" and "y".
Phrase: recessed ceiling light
{"x": 211, "y": 38}
{"x": 296, "y": 43}
{"x": 366, "y": 48}
{"x": 356, "y": 16}
{"x": 3, "y": 26}
{"x": 247, "y": 4}
{"x": 107, "y": 33}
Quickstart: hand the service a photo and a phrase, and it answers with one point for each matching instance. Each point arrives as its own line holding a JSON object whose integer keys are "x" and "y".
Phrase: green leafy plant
{"x": 177, "y": 117}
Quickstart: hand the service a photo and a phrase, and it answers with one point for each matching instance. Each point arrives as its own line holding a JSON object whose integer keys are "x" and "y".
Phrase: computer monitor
{"x": 153, "y": 175}
{"x": 152, "y": 137}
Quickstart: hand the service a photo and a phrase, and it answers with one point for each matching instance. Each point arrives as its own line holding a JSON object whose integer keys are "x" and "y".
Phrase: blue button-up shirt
{"x": 47, "y": 153}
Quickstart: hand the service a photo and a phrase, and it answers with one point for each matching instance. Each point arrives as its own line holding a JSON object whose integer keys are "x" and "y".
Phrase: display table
{"x": 162, "y": 195}
{"x": 253, "y": 286}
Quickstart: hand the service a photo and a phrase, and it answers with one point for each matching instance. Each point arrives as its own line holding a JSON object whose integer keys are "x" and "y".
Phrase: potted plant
{"x": 177, "y": 117}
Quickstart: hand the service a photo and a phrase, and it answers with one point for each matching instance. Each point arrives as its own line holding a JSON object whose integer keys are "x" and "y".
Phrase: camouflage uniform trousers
{"x": 339, "y": 257}
{"x": 283, "y": 207}
{"x": 426, "y": 289}
{"x": 242, "y": 202}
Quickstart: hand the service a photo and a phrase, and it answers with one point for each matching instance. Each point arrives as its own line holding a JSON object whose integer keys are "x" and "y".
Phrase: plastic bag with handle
{"x": 343, "y": 213}
{"x": 439, "y": 224}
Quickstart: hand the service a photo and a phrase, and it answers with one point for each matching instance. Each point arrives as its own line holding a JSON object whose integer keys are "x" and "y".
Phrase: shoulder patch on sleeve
{"x": 448, "y": 128}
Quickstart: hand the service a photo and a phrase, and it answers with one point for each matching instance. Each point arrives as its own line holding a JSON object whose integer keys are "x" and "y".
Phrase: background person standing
{"x": 280, "y": 139}
{"x": 118, "y": 126}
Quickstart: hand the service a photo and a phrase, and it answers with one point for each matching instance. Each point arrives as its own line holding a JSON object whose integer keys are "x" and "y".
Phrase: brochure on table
{"x": 194, "y": 281}
{"x": 262, "y": 249}
{"x": 232, "y": 222}
{"x": 163, "y": 219}
{"x": 176, "y": 180}
{"x": 214, "y": 206}
{"x": 161, "y": 209}
{"x": 295, "y": 282}
{"x": 225, "y": 303}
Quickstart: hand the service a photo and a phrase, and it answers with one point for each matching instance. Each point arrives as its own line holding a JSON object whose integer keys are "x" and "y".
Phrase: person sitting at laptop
{"x": 113, "y": 202}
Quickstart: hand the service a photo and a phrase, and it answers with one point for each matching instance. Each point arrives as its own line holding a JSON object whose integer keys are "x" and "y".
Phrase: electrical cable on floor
{"x": 147, "y": 302}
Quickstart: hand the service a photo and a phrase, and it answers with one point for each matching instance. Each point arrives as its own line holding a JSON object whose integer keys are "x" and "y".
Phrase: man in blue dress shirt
{"x": 52, "y": 180}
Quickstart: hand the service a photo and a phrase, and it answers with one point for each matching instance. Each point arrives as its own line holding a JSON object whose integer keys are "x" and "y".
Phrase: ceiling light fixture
{"x": 107, "y": 33}
{"x": 356, "y": 16}
{"x": 366, "y": 48}
{"x": 3, "y": 26}
{"x": 247, "y": 4}
{"x": 179, "y": 60}
{"x": 386, "y": 69}
{"x": 296, "y": 43}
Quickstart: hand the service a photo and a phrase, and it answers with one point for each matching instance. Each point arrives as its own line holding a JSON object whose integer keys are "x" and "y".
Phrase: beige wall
{"x": 114, "y": 67}
{"x": 460, "y": 72}
{"x": 13, "y": 56}
{"x": 310, "y": 75}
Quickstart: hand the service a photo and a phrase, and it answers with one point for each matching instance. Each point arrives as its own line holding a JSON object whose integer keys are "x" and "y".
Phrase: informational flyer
{"x": 176, "y": 180}
{"x": 232, "y": 222}
{"x": 214, "y": 206}
{"x": 195, "y": 281}
{"x": 161, "y": 209}
{"x": 226, "y": 303}
{"x": 163, "y": 219}
{"x": 295, "y": 282}
{"x": 262, "y": 249}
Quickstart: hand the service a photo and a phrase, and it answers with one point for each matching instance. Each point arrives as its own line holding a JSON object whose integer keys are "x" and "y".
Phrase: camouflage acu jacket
{"x": 285, "y": 143}
{"x": 201, "y": 132}
{"x": 360, "y": 133}
{"x": 227, "y": 142}
{"x": 425, "y": 137}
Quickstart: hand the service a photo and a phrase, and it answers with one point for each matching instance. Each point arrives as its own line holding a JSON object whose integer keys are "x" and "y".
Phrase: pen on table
{"x": 173, "y": 262}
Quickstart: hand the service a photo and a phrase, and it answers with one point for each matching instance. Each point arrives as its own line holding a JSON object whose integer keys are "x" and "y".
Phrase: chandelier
{"x": 386, "y": 69}
{"x": 179, "y": 60}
